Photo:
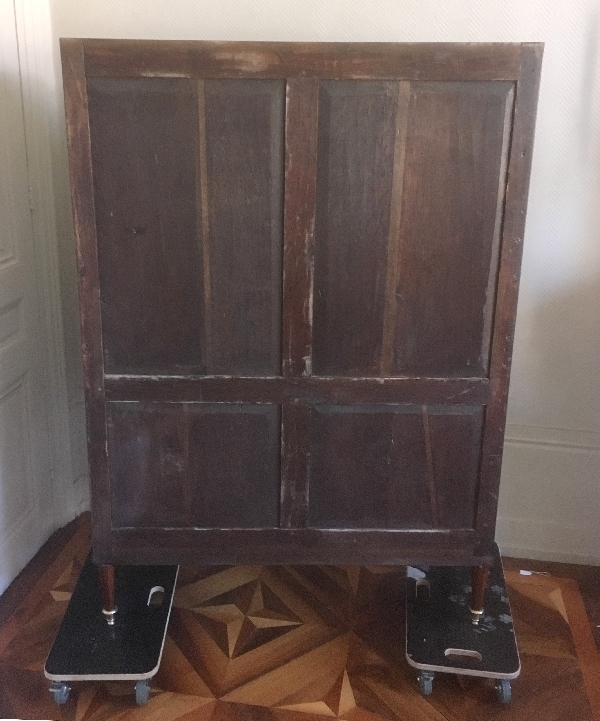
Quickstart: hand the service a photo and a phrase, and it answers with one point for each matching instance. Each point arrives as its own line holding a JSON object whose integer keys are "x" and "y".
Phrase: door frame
{"x": 40, "y": 96}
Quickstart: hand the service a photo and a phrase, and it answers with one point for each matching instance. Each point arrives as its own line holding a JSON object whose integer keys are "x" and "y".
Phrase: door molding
{"x": 40, "y": 107}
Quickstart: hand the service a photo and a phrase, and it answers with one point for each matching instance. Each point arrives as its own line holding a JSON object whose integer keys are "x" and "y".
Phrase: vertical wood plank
{"x": 245, "y": 122}
{"x": 430, "y": 468}
{"x": 394, "y": 240}
{"x": 488, "y": 311}
{"x": 357, "y": 132}
{"x": 144, "y": 137}
{"x": 203, "y": 206}
{"x": 301, "y": 131}
{"x": 454, "y": 171}
{"x": 84, "y": 216}
{"x": 519, "y": 168}
{"x": 299, "y": 224}
{"x": 295, "y": 465}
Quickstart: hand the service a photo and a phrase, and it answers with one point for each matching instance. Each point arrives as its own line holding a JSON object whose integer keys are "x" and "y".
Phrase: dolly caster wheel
{"x": 426, "y": 682}
{"x": 503, "y": 690}
{"x": 60, "y": 692}
{"x": 142, "y": 692}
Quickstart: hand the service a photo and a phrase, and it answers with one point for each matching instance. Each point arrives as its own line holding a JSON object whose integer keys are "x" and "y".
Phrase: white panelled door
{"x": 26, "y": 507}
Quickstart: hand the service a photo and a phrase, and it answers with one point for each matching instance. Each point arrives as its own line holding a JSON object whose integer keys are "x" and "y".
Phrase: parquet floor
{"x": 301, "y": 644}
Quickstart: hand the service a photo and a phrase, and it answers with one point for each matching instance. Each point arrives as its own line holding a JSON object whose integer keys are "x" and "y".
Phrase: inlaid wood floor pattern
{"x": 302, "y": 644}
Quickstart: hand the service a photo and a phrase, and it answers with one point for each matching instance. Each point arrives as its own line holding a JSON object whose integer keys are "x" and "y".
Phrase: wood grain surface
{"x": 299, "y": 268}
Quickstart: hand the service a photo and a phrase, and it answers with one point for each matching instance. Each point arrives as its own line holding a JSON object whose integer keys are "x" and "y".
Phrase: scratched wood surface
{"x": 303, "y": 644}
{"x": 299, "y": 266}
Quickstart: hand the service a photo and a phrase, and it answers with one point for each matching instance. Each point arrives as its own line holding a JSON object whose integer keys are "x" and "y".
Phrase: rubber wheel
{"x": 503, "y": 690}
{"x": 60, "y": 692}
{"x": 426, "y": 682}
{"x": 142, "y": 692}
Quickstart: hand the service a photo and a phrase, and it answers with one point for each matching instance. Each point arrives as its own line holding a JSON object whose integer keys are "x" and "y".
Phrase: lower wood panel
{"x": 204, "y": 482}
{"x": 194, "y": 465}
{"x": 394, "y": 466}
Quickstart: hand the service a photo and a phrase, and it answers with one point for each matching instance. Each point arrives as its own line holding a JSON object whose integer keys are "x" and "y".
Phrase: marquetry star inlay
{"x": 245, "y": 618}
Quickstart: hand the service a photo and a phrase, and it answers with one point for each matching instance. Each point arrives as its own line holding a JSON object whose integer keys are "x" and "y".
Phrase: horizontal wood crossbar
{"x": 460, "y": 391}
{"x": 412, "y": 61}
{"x": 297, "y": 546}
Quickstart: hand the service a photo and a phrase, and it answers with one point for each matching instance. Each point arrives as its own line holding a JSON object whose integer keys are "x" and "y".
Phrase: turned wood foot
{"x": 107, "y": 585}
{"x": 479, "y": 577}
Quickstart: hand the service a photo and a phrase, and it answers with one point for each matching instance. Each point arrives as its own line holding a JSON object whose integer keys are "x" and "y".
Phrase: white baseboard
{"x": 549, "y": 505}
{"x": 543, "y": 541}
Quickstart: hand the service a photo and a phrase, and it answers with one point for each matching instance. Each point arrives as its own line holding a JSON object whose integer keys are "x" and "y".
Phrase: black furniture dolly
{"x": 125, "y": 646}
{"x": 440, "y": 636}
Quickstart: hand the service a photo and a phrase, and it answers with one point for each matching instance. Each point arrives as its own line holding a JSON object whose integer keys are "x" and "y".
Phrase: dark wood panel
{"x": 194, "y": 465}
{"x": 368, "y": 469}
{"x": 411, "y": 148}
{"x": 452, "y": 203}
{"x": 307, "y": 390}
{"x": 144, "y": 152}
{"x": 414, "y": 61}
{"x": 357, "y": 129}
{"x": 244, "y": 123}
{"x": 394, "y": 466}
{"x": 299, "y": 545}
{"x": 455, "y": 457}
{"x": 408, "y": 176}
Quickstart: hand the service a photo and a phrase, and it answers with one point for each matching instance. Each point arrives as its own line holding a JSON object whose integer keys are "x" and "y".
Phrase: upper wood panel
{"x": 188, "y": 181}
{"x": 403, "y": 182}
{"x": 410, "y": 187}
{"x": 144, "y": 148}
{"x": 454, "y": 183}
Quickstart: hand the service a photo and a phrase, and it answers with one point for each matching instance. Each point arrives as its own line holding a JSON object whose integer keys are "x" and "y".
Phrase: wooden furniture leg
{"x": 479, "y": 577}
{"x": 107, "y": 585}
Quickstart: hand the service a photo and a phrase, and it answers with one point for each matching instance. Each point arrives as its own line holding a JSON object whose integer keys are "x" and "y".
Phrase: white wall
{"x": 551, "y": 488}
